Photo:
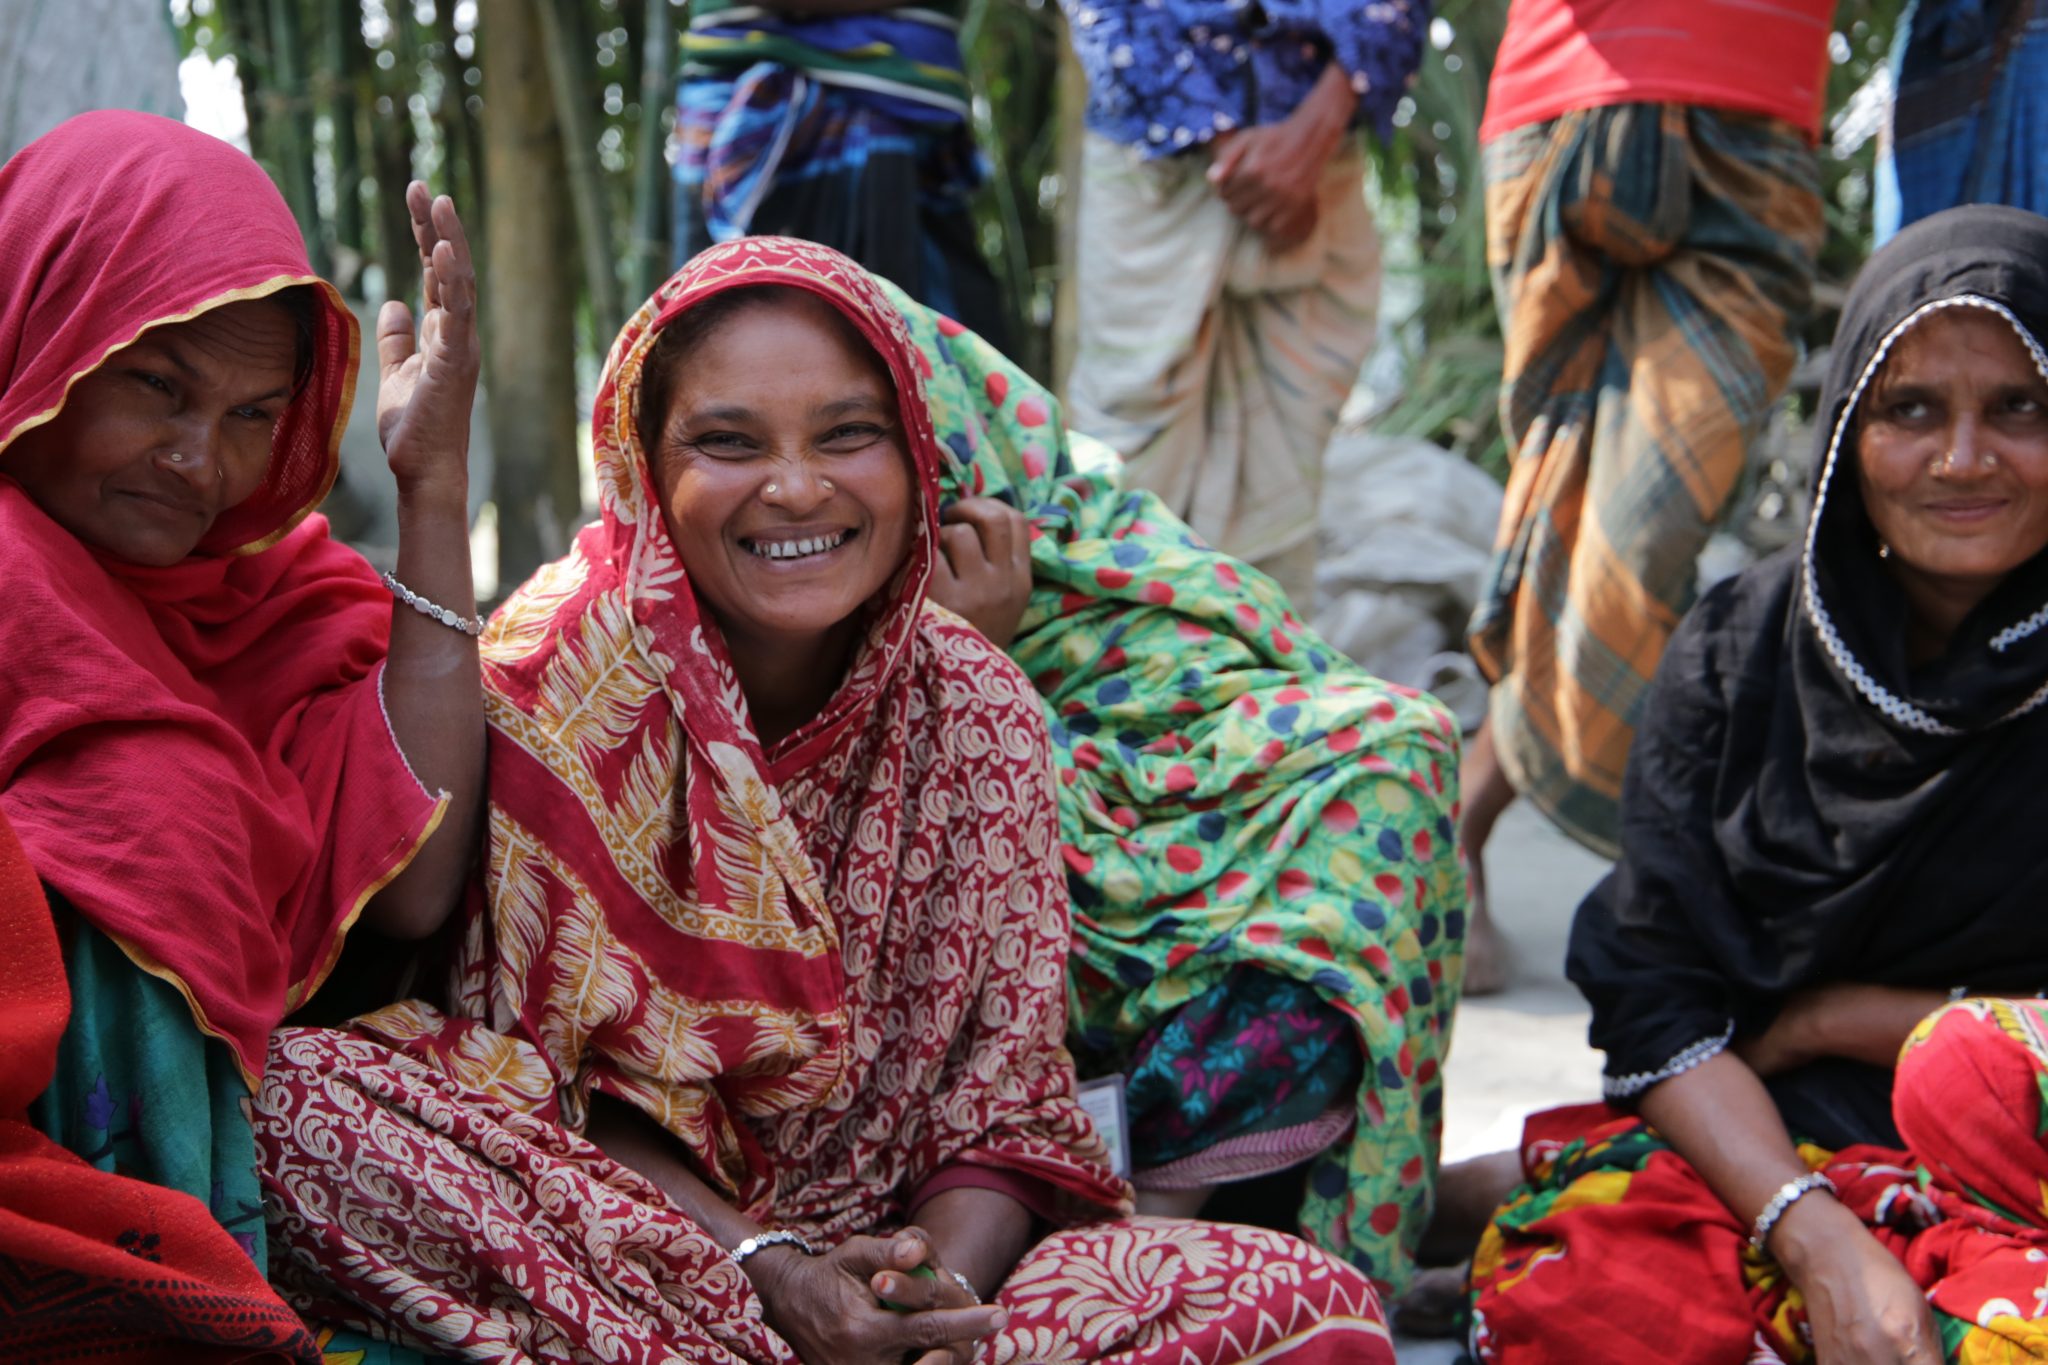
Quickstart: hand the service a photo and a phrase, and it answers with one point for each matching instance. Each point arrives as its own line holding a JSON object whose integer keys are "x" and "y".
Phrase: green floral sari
{"x": 1234, "y": 794}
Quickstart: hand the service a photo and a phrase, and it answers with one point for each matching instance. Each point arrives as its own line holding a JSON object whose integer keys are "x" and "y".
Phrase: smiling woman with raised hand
{"x": 221, "y": 739}
{"x": 755, "y": 1052}
{"x": 1830, "y": 832}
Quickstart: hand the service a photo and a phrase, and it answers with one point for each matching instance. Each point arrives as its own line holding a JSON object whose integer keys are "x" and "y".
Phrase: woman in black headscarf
{"x": 1830, "y": 831}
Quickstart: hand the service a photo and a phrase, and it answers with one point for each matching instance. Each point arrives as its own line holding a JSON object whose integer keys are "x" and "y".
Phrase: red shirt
{"x": 1760, "y": 56}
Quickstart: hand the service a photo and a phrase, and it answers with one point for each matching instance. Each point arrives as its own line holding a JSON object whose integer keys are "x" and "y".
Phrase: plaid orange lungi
{"x": 1652, "y": 263}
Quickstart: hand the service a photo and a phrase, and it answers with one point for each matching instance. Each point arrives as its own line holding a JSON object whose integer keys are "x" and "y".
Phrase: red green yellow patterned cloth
{"x": 1611, "y": 1220}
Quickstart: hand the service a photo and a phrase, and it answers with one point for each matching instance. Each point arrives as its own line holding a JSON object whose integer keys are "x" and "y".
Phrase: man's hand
{"x": 1271, "y": 176}
{"x": 984, "y": 568}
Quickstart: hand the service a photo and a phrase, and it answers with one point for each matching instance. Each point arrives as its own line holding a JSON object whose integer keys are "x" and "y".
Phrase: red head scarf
{"x": 194, "y": 756}
{"x": 117, "y": 222}
{"x": 832, "y": 967}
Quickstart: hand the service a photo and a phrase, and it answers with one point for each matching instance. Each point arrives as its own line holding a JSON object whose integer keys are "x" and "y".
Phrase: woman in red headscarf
{"x": 221, "y": 738}
{"x": 756, "y": 1052}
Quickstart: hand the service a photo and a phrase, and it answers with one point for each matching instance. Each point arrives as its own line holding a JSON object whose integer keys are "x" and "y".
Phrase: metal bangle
{"x": 468, "y": 625}
{"x": 967, "y": 1285}
{"x": 1789, "y": 1193}
{"x": 761, "y": 1241}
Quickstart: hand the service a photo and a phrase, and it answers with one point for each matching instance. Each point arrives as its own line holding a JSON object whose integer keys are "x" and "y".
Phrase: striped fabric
{"x": 907, "y": 56}
{"x": 850, "y": 130}
{"x": 1653, "y": 263}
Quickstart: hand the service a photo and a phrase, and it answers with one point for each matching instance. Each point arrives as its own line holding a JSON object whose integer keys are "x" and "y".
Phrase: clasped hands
{"x": 1271, "y": 176}
{"x": 833, "y": 1309}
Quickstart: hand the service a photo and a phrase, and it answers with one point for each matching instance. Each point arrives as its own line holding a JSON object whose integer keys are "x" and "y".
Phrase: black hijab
{"x": 1801, "y": 805}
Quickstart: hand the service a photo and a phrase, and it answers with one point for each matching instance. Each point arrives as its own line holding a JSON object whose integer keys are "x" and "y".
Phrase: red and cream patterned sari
{"x": 831, "y": 968}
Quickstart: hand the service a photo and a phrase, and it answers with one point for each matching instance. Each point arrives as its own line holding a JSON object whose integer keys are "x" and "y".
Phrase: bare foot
{"x": 1433, "y": 1303}
{"x": 1467, "y": 1194}
{"x": 1489, "y": 962}
{"x": 1174, "y": 1203}
{"x": 1486, "y": 793}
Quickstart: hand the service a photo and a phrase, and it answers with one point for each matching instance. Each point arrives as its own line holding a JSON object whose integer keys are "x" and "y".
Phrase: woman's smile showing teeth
{"x": 795, "y": 547}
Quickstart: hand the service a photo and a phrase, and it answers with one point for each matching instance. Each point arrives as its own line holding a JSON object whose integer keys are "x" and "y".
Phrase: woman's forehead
{"x": 1958, "y": 344}
{"x": 783, "y": 342}
{"x": 249, "y": 334}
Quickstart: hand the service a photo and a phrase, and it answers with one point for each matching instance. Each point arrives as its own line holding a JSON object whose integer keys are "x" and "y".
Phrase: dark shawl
{"x": 1801, "y": 806}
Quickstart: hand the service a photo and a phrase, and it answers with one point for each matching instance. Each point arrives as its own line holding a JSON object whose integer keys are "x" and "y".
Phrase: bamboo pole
{"x": 528, "y": 304}
{"x": 650, "y": 170}
{"x": 565, "y": 60}
{"x": 295, "y": 142}
{"x": 345, "y": 86}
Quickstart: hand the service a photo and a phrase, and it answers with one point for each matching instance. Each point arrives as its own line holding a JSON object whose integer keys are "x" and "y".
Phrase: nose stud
{"x": 772, "y": 488}
{"x": 830, "y": 487}
{"x": 177, "y": 457}
{"x": 1949, "y": 462}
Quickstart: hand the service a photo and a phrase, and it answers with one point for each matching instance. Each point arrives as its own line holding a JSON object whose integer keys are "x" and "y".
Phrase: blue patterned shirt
{"x": 1166, "y": 75}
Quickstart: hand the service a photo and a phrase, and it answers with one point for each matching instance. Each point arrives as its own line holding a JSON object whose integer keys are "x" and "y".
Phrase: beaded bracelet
{"x": 1789, "y": 1193}
{"x": 761, "y": 1241}
{"x": 468, "y": 625}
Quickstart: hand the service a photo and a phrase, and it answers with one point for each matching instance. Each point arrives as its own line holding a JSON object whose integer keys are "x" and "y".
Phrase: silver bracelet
{"x": 761, "y": 1241}
{"x": 1789, "y": 1193}
{"x": 468, "y": 625}
{"x": 967, "y": 1285}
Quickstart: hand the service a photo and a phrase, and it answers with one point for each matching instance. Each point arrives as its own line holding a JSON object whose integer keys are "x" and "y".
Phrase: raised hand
{"x": 427, "y": 382}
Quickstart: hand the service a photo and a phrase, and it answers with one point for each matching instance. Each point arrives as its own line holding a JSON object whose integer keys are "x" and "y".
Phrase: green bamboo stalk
{"x": 650, "y": 168}
{"x": 345, "y": 87}
{"x": 294, "y": 170}
{"x": 567, "y": 77}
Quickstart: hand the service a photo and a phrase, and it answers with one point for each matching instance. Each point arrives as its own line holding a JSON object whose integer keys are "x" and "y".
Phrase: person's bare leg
{"x": 1467, "y": 1194}
{"x": 1486, "y": 792}
{"x": 1174, "y": 1203}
